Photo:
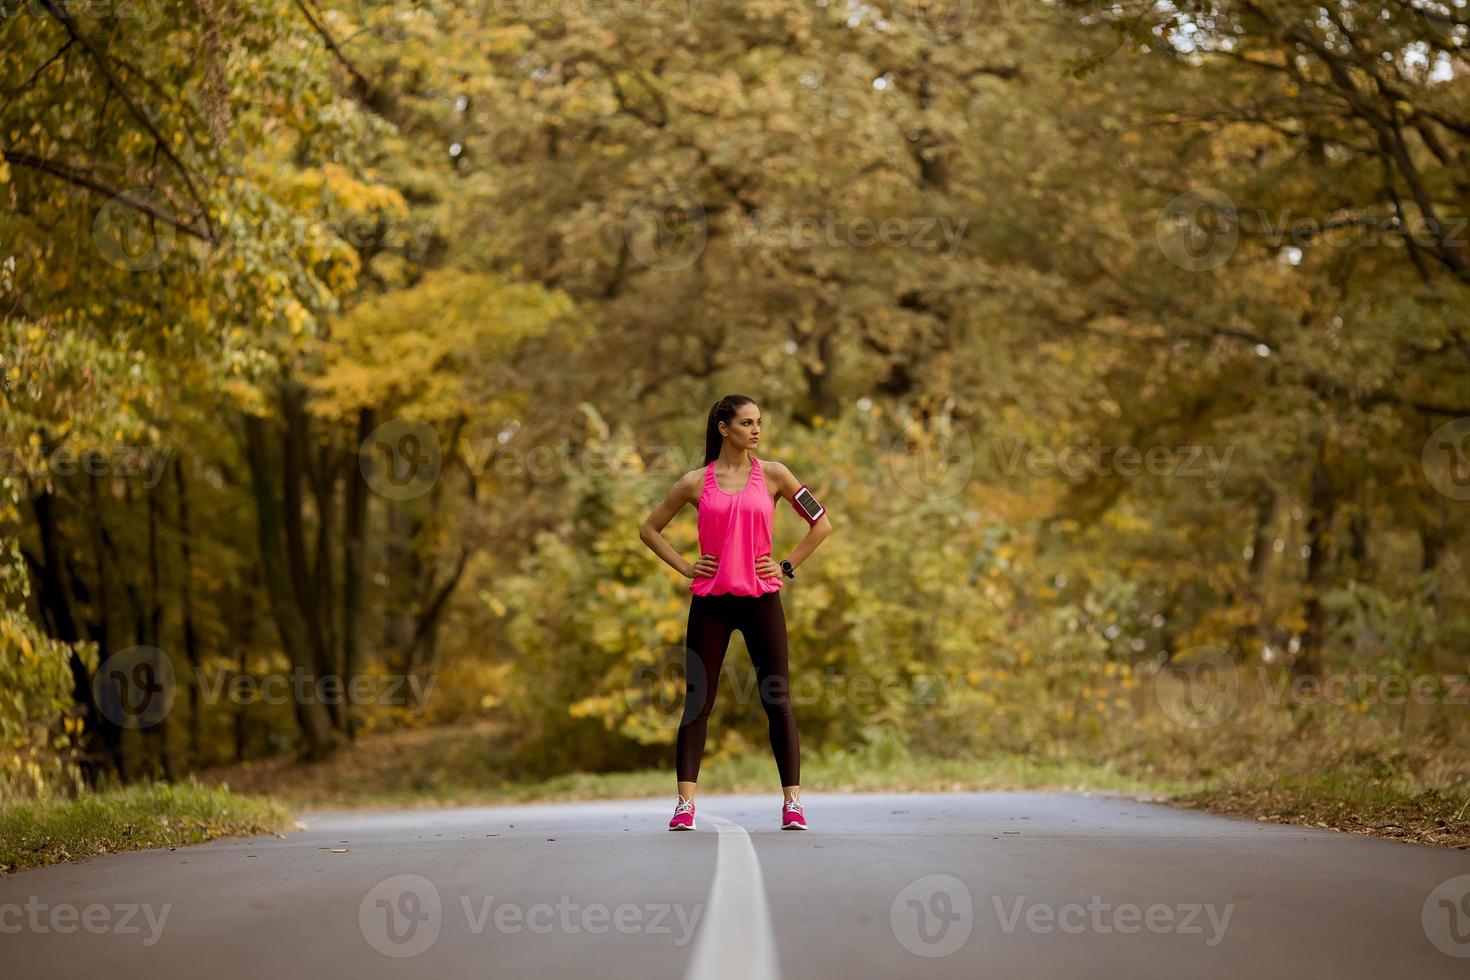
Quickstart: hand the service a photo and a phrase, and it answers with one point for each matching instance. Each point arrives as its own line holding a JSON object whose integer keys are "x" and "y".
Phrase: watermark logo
{"x": 79, "y": 10}
{"x": 672, "y": 680}
{"x": 1365, "y": 687}
{"x": 401, "y": 916}
{"x": 1105, "y": 918}
{"x": 135, "y": 688}
{"x": 679, "y": 12}
{"x": 1446, "y": 19}
{"x": 928, "y": 20}
{"x": 1198, "y": 230}
{"x": 386, "y": 20}
{"x": 674, "y": 675}
{"x": 1078, "y": 463}
{"x": 63, "y": 918}
{"x": 400, "y": 459}
{"x": 148, "y": 462}
{"x": 932, "y": 916}
{"x": 1446, "y": 459}
{"x": 1446, "y": 917}
{"x": 129, "y": 235}
{"x": 379, "y": 232}
{"x": 932, "y": 461}
{"x": 568, "y": 917}
{"x": 834, "y": 230}
{"x": 667, "y": 230}
{"x": 410, "y": 691}
{"x": 1199, "y": 687}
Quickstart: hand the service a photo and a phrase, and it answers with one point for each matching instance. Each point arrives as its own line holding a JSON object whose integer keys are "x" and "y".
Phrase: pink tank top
{"x": 736, "y": 528}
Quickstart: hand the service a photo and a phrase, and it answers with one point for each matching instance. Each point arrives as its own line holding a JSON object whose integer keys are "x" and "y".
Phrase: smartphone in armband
{"x": 806, "y": 505}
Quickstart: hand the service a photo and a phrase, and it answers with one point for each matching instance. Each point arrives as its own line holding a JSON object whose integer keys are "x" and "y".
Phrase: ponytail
{"x": 724, "y": 411}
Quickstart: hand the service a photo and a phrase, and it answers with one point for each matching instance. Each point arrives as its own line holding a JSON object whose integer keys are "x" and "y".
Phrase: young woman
{"x": 736, "y": 586}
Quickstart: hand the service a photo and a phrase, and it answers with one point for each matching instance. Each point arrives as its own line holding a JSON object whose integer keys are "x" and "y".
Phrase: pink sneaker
{"x": 683, "y": 815}
{"x": 792, "y": 817}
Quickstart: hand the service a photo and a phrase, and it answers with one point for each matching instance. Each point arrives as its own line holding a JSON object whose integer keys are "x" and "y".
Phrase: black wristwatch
{"x": 787, "y": 569}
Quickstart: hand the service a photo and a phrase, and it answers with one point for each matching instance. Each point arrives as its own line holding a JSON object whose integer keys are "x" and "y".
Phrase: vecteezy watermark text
{"x": 64, "y": 918}
{"x": 1097, "y": 459}
{"x": 395, "y": 689}
{"x": 934, "y": 915}
{"x": 676, "y": 681}
{"x": 1125, "y": 918}
{"x": 148, "y": 462}
{"x": 402, "y": 916}
{"x": 1201, "y": 687}
{"x": 1356, "y": 687}
{"x": 833, "y": 230}
{"x": 137, "y": 687}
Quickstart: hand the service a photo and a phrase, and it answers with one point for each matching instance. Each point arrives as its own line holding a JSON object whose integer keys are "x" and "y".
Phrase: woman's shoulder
{"x": 692, "y": 482}
{"x": 775, "y": 470}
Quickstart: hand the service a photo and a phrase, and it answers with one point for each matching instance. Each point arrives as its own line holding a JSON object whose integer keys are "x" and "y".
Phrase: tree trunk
{"x": 426, "y": 636}
{"x": 186, "y": 603}
{"x": 102, "y": 746}
{"x": 1433, "y": 538}
{"x": 311, "y": 715}
{"x": 306, "y": 590}
{"x": 354, "y": 569}
{"x": 1260, "y": 560}
{"x": 401, "y": 563}
{"x": 324, "y": 489}
{"x": 245, "y": 636}
{"x": 1321, "y": 508}
{"x": 151, "y": 635}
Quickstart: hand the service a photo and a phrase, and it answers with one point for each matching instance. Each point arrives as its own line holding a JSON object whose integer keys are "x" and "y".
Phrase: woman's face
{"x": 744, "y": 430}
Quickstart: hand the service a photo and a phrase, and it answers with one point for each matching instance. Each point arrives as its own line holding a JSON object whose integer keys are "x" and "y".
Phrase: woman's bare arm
{"x": 684, "y": 491}
{"x": 817, "y": 532}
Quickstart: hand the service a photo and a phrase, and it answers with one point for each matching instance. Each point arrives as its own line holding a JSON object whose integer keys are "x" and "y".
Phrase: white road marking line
{"x": 735, "y": 939}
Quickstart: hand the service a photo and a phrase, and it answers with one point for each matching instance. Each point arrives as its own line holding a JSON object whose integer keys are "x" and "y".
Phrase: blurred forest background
{"x": 1127, "y": 345}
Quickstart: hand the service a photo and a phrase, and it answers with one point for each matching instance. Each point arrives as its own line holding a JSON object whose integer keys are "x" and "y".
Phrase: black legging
{"x": 762, "y": 621}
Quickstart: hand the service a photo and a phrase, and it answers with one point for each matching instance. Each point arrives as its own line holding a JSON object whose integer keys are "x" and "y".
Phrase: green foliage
{"x": 1400, "y": 633}
{"x": 37, "y": 728}
{"x": 438, "y": 349}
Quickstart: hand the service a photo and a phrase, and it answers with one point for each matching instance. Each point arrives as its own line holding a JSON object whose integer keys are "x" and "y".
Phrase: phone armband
{"x": 806, "y": 505}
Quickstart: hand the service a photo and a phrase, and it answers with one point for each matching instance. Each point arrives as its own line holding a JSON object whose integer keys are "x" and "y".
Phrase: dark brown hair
{"x": 724, "y": 411}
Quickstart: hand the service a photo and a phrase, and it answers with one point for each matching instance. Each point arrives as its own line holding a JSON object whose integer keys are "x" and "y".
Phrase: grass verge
{"x": 145, "y": 815}
{"x": 1356, "y": 804}
{"x": 458, "y": 766}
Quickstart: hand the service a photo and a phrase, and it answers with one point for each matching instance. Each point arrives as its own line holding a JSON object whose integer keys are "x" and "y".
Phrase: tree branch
{"x": 100, "y": 59}
{"x": 81, "y": 178}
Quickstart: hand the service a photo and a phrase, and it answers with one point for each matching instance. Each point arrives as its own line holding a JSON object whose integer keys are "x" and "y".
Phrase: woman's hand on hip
{"x": 704, "y": 567}
{"x": 765, "y": 566}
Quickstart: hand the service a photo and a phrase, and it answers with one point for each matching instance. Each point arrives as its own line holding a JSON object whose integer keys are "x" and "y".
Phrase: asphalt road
{"x": 978, "y": 885}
